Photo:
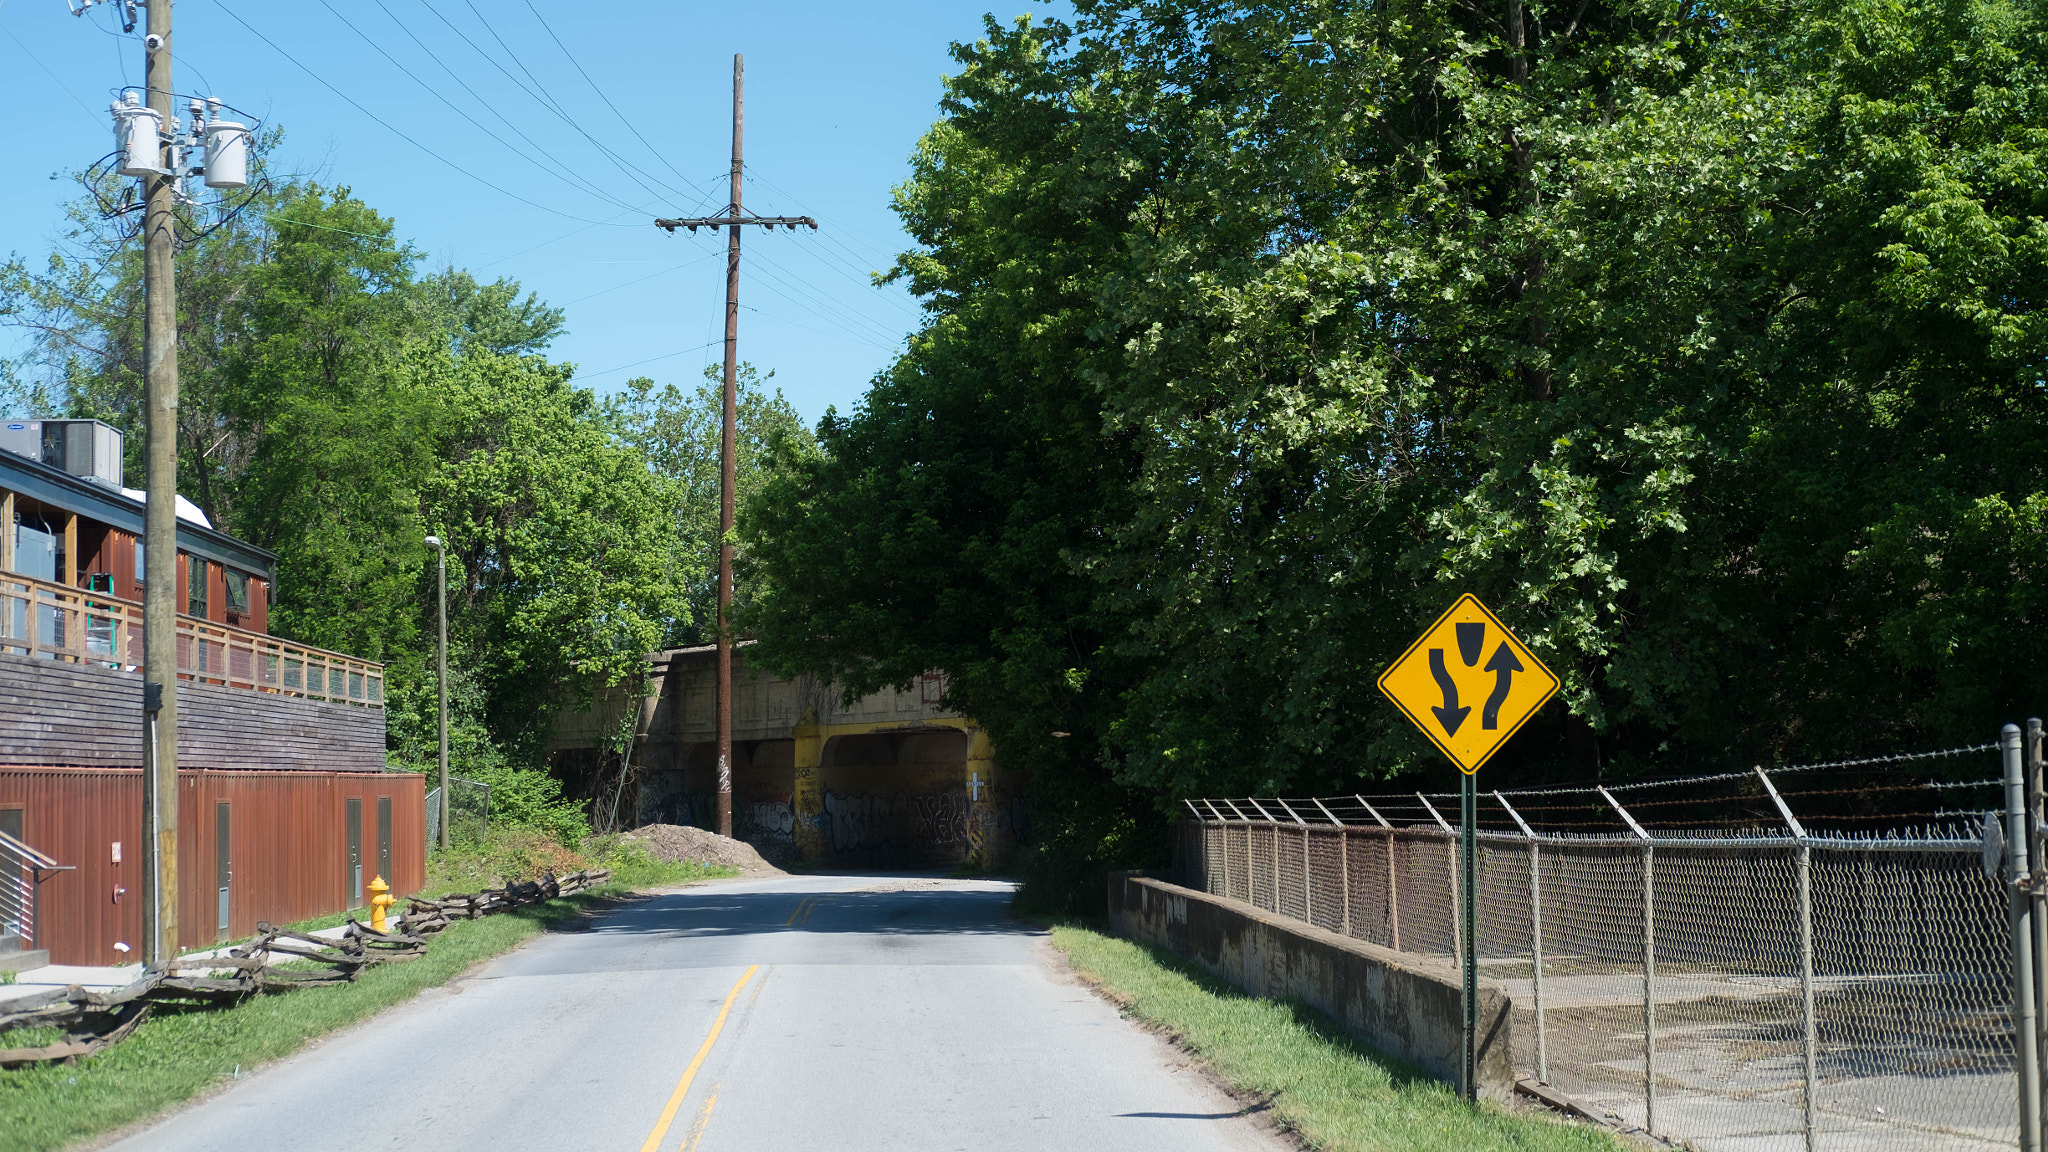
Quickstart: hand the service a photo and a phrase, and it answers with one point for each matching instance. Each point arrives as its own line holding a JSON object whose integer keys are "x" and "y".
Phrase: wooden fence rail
{"x": 50, "y": 621}
{"x": 95, "y": 1021}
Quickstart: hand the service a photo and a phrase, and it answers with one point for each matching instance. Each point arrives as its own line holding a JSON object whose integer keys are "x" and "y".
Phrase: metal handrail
{"x": 31, "y": 857}
{"x": 18, "y": 890}
{"x": 50, "y": 621}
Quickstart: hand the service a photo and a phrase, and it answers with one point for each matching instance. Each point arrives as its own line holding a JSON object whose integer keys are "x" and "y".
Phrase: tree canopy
{"x": 1703, "y": 343}
{"x": 338, "y": 405}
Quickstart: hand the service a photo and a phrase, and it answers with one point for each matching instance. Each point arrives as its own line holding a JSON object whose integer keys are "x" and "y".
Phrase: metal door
{"x": 384, "y": 838}
{"x": 223, "y": 865}
{"x": 354, "y": 875}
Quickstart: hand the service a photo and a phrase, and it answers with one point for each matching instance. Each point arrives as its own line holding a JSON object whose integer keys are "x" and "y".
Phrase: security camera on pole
{"x": 152, "y": 146}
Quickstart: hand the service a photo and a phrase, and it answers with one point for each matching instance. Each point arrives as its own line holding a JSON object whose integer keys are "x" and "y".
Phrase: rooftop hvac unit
{"x": 87, "y": 449}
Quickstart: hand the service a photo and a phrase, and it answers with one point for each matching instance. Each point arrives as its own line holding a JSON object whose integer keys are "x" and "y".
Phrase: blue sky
{"x": 836, "y": 98}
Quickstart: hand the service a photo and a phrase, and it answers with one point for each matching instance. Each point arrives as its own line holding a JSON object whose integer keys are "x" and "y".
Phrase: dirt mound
{"x": 678, "y": 842}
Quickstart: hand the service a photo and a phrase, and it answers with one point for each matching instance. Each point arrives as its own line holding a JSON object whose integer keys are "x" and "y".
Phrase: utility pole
{"x": 732, "y": 221}
{"x": 441, "y": 674}
{"x": 160, "y": 518}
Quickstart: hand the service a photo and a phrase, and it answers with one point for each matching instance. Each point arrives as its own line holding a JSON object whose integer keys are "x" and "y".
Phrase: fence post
{"x": 1308, "y": 911}
{"x": 1649, "y": 964}
{"x": 1535, "y": 936}
{"x": 2037, "y": 861}
{"x": 2019, "y": 918}
{"x": 1450, "y": 865}
{"x": 1393, "y": 883}
{"x": 1802, "y": 855}
{"x": 1247, "y": 851}
{"x": 1275, "y": 842}
{"x": 1343, "y": 865}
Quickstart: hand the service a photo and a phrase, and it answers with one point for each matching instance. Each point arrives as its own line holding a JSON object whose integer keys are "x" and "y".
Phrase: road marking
{"x": 675, "y": 1101}
{"x": 799, "y": 910}
{"x": 696, "y": 1135}
{"x": 809, "y": 910}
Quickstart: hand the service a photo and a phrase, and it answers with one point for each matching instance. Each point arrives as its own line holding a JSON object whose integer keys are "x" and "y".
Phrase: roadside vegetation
{"x": 1332, "y": 1091}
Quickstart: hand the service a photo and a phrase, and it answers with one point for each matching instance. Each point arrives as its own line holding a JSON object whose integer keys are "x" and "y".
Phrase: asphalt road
{"x": 820, "y": 1012}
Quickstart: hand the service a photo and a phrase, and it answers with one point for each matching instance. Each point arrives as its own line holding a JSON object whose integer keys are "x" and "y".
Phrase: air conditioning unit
{"x": 87, "y": 449}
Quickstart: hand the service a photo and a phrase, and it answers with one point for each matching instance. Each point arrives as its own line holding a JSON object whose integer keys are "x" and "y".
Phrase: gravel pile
{"x": 677, "y": 842}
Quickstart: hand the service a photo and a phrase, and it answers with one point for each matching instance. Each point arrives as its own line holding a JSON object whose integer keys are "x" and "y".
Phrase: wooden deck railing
{"x": 52, "y": 622}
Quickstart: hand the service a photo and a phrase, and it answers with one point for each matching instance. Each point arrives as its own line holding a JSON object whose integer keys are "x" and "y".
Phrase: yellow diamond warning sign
{"x": 1468, "y": 683}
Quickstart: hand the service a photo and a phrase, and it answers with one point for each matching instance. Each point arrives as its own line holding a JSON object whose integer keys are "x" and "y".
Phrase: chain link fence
{"x": 1696, "y": 958}
{"x": 469, "y": 812}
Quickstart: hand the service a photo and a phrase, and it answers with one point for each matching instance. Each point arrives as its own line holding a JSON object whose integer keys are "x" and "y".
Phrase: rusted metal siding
{"x": 286, "y": 839}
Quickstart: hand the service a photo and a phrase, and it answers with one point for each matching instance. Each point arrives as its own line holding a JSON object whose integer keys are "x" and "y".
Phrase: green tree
{"x": 679, "y": 434}
{"x": 1704, "y": 344}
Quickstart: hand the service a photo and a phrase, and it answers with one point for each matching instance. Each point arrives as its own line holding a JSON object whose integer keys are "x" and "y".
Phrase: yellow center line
{"x": 800, "y": 906}
{"x": 808, "y": 911}
{"x": 675, "y": 1101}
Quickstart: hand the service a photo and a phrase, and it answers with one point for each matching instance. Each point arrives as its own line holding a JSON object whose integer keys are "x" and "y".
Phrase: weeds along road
{"x": 817, "y": 1012}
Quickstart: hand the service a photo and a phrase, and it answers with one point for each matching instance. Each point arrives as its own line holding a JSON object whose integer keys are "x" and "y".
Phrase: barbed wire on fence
{"x": 1738, "y": 980}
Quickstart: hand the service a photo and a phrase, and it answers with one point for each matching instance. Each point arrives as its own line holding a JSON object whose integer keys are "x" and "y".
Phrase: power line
{"x": 652, "y": 151}
{"x": 544, "y": 101}
{"x": 818, "y": 295}
{"x": 649, "y": 360}
{"x": 819, "y": 331}
{"x": 61, "y": 86}
{"x": 641, "y": 280}
{"x": 536, "y": 155}
{"x": 394, "y": 131}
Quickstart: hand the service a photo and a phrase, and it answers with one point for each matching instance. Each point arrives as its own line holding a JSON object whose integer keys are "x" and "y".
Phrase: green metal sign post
{"x": 1468, "y": 820}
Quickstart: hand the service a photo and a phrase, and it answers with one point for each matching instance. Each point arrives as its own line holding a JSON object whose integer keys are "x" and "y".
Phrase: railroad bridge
{"x": 893, "y": 779}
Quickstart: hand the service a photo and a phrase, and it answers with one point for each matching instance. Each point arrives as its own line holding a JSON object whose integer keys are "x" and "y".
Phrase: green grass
{"x": 1329, "y": 1089}
{"x": 175, "y": 1056}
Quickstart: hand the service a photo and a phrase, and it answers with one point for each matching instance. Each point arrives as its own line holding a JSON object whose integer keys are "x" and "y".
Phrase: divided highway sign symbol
{"x": 1466, "y": 663}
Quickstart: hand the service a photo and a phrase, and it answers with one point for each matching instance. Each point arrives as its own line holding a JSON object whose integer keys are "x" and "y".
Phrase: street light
{"x": 441, "y": 582}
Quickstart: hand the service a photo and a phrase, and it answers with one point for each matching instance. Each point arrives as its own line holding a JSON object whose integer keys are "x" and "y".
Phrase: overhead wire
{"x": 848, "y": 308}
{"x": 808, "y": 328}
{"x": 630, "y": 172}
{"x": 641, "y": 280}
{"x": 824, "y": 235}
{"x": 353, "y": 103}
{"x": 820, "y": 305}
{"x": 651, "y": 149}
{"x": 649, "y": 360}
{"x": 538, "y": 156}
{"x": 61, "y": 86}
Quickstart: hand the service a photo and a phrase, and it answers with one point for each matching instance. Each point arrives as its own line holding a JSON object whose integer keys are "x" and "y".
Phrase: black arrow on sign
{"x": 1504, "y": 665}
{"x": 1450, "y": 715}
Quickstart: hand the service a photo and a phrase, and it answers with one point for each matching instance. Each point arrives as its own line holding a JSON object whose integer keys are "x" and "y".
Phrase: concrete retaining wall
{"x": 1403, "y": 1005}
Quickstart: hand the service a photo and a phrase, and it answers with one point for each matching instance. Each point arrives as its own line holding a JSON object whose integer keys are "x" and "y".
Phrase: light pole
{"x": 441, "y": 590}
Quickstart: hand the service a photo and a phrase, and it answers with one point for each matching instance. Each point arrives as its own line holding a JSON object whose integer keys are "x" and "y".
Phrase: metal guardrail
{"x": 50, "y": 621}
{"x": 1756, "y": 983}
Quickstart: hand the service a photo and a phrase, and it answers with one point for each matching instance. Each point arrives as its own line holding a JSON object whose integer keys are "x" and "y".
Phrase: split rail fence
{"x": 1694, "y": 958}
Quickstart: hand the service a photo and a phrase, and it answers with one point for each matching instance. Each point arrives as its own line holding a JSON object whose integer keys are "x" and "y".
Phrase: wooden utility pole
{"x": 160, "y": 518}
{"x": 732, "y": 221}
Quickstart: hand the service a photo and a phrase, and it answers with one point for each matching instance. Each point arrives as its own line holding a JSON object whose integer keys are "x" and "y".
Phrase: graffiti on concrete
{"x": 902, "y": 820}
{"x": 772, "y": 818}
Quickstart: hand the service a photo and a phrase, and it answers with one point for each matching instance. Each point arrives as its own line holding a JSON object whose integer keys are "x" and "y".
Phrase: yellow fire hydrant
{"x": 380, "y": 899}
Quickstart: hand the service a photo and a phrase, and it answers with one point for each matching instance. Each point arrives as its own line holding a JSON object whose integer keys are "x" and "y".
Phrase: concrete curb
{"x": 1403, "y": 1005}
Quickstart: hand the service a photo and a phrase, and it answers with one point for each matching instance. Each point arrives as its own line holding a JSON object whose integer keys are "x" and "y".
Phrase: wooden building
{"x": 285, "y": 809}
